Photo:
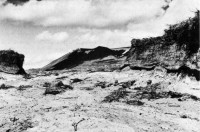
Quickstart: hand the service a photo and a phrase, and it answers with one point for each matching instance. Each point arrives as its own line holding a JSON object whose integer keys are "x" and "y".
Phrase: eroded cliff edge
{"x": 178, "y": 49}
{"x": 11, "y": 62}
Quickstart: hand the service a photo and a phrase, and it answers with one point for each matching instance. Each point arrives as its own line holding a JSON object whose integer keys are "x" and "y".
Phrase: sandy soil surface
{"x": 26, "y": 108}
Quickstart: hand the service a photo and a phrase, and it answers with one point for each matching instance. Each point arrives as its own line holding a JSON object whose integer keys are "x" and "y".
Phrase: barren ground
{"x": 32, "y": 111}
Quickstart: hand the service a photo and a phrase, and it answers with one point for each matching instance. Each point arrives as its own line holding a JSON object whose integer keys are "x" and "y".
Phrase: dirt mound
{"x": 11, "y": 62}
{"x": 80, "y": 56}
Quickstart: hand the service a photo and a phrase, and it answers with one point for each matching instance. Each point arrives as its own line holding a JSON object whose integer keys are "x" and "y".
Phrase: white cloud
{"x": 144, "y": 16}
{"x": 53, "y": 37}
{"x": 180, "y": 10}
{"x": 88, "y": 37}
{"x": 84, "y": 13}
{"x": 89, "y": 23}
{"x": 2, "y": 1}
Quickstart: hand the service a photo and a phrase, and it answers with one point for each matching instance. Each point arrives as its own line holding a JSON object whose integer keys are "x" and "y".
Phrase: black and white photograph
{"x": 99, "y": 66}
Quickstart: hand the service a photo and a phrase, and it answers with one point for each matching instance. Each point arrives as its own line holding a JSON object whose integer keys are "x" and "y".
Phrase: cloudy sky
{"x": 44, "y": 30}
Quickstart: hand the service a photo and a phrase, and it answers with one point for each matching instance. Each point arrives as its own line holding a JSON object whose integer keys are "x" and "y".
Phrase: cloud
{"x": 53, "y": 37}
{"x": 15, "y": 2}
{"x": 180, "y": 10}
{"x": 84, "y": 13}
{"x": 89, "y": 23}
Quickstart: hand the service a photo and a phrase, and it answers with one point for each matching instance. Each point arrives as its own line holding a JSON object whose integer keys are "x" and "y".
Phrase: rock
{"x": 2, "y": 86}
{"x": 23, "y": 87}
{"x": 127, "y": 84}
{"x": 116, "y": 83}
{"x": 63, "y": 77}
{"x": 116, "y": 95}
{"x": 175, "y": 94}
{"x": 149, "y": 82}
{"x": 76, "y": 80}
{"x": 88, "y": 88}
{"x": 159, "y": 71}
{"x": 135, "y": 102}
{"x": 1, "y": 78}
{"x": 56, "y": 88}
{"x": 127, "y": 68}
{"x": 46, "y": 84}
{"x": 11, "y": 62}
{"x": 101, "y": 84}
{"x": 52, "y": 91}
{"x": 59, "y": 84}
{"x": 56, "y": 74}
{"x": 184, "y": 116}
{"x": 27, "y": 76}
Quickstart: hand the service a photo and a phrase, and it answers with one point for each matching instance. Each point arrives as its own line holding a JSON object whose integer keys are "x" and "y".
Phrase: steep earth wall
{"x": 11, "y": 62}
{"x": 177, "y": 49}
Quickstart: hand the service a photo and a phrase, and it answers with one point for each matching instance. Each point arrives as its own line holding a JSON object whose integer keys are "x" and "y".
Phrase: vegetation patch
{"x": 154, "y": 92}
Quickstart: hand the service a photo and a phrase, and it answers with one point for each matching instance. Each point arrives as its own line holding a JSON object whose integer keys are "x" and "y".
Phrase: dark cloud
{"x": 17, "y": 2}
{"x": 112, "y": 14}
{"x": 166, "y": 7}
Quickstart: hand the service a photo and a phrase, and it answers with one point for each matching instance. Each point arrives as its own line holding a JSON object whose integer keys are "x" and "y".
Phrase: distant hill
{"x": 97, "y": 57}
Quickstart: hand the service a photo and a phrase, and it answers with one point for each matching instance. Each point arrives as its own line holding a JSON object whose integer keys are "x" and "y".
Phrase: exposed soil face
{"x": 11, "y": 62}
{"x": 178, "y": 47}
{"x": 100, "y": 101}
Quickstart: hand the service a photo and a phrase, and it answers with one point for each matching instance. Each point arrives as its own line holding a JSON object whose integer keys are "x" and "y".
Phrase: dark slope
{"x": 177, "y": 48}
{"x": 81, "y": 56}
{"x": 11, "y": 62}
